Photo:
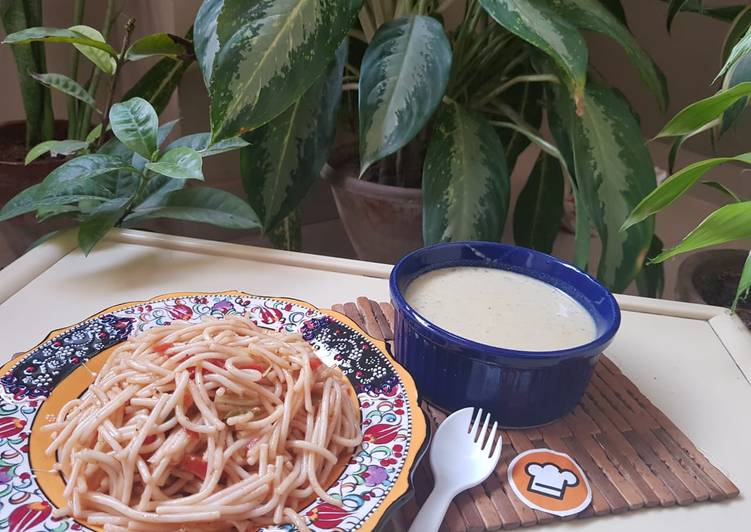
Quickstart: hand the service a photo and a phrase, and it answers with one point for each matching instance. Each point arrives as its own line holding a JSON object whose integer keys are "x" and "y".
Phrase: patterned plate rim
{"x": 402, "y": 489}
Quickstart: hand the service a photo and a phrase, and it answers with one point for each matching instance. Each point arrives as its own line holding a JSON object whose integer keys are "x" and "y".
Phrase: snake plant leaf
{"x": 538, "y": 24}
{"x": 728, "y": 223}
{"x": 43, "y": 34}
{"x": 704, "y": 111}
{"x": 99, "y": 222}
{"x": 592, "y": 15}
{"x": 205, "y": 38}
{"x": 539, "y": 208}
{"x": 403, "y": 76}
{"x": 155, "y": 44}
{"x": 55, "y": 148}
{"x": 101, "y": 57}
{"x": 613, "y": 172}
{"x": 745, "y": 283}
{"x": 465, "y": 182}
{"x": 650, "y": 282}
{"x": 204, "y": 204}
{"x": 135, "y": 124}
{"x": 741, "y": 48}
{"x": 738, "y": 73}
{"x": 285, "y": 157}
{"x": 270, "y": 53}
{"x": 65, "y": 85}
{"x": 179, "y": 163}
{"x": 738, "y": 29}
{"x": 676, "y": 185}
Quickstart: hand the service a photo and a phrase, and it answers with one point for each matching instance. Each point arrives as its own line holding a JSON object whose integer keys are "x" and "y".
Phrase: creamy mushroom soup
{"x": 501, "y": 308}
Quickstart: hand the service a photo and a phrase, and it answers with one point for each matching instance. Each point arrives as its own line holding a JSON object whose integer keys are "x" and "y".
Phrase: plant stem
{"x": 513, "y": 81}
{"x": 422, "y": 7}
{"x": 73, "y": 124}
{"x": 129, "y": 27}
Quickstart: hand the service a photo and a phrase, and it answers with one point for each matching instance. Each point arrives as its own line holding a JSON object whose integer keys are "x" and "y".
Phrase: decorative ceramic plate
{"x": 34, "y": 387}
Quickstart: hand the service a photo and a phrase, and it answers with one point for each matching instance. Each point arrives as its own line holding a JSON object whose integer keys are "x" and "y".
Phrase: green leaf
{"x": 207, "y": 205}
{"x": 704, "y": 111}
{"x": 157, "y": 189}
{"x": 135, "y": 124}
{"x": 403, "y": 77}
{"x": 741, "y": 48}
{"x": 101, "y": 57}
{"x": 538, "y": 212}
{"x": 154, "y": 44}
{"x": 200, "y": 143}
{"x": 592, "y": 15}
{"x": 465, "y": 182}
{"x": 738, "y": 29}
{"x": 285, "y": 157}
{"x": 728, "y": 223}
{"x": 65, "y": 85}
{"x": 55, "y": 148}
{"x": 206, "y": 40}
{"x": 99, "y": 222}
{"x": 616, "y": 8}
{"x": 675, "y": 186}
{"x": 159, "y": 82}
{"x": 744, "y": 285}
{"x": 535, "y": 22}
{"x": 179, "y": 163}
{"x": 719, "y": 187}
{"x": 94, "y": 134}
{"x": 270, "y": 52}
{"x": 674, "y": 7}
{"x": 83, "y": 170}
{"x": 582, "y": 230}
{"x": 287, "y": 234}
{"x": 651, "y": 279}
{"x": 738, "y": 73}
{"x": 59, "y": 35}
{"x": 613, "y": 171}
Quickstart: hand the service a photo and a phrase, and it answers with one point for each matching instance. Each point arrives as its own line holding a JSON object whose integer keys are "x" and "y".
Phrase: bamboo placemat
{"x": 633, "y": 455}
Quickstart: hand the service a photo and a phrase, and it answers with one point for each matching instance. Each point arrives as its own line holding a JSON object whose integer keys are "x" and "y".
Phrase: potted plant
{"x": 708, "y": 275}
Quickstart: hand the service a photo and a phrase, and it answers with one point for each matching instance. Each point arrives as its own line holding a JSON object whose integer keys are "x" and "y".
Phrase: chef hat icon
{"x": 549, "y": 480}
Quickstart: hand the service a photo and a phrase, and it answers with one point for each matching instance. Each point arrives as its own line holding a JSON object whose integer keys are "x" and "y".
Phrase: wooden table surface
{"x": 692, "y": 361}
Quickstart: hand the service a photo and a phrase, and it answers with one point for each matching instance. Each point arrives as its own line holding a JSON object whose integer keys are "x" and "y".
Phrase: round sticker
{"x": 549, "y": 481}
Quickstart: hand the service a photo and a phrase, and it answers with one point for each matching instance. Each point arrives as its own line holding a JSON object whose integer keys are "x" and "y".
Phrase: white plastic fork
{"x": 461, "y": 457}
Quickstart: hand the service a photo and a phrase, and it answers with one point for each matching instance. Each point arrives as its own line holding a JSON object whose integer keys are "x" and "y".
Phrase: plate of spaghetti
{"x": 211, "y": 412}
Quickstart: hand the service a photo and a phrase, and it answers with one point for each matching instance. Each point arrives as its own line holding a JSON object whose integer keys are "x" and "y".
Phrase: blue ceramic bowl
{"x": 520, "y": 388}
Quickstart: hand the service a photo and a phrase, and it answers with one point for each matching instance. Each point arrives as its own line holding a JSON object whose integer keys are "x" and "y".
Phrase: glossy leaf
{"x": 201, "y": 143}
{"x": 270, "y": 52}
{"x": 135, "y": 124}
{"x": 539, "y": 208}
{"x": 154, "y": 44}
{"x": 99, "y": 222}
{"x": 101, "y": 57}
{"x": 159, "y": 83}
{"x": 58, "y": 35}
{"x": 465, "y": 182}
{"x": 403, "y": 77}
{"x": 741, "y": 48}
{"x": 285, "y": 157}
{"x": 592, "y": 15}
{"x": 205, "y": 38}
{"x": 179, "y": 163}
{"x": 55, "y": 148}
{"x": 65, "y": 85}
{"x": 744, "y": 285}
{"x": 704, "y": 111}
{"x": 738, "y": 73}
{"x": 674, "y": 7}
{"x": 675, "y": 186}
{"x": 650, "y": 282}
{"x": 207, "y": 205}
{"x": 728, "y": 223}
{"x": 535, "y": 22}
{"x": 613, "y": 172}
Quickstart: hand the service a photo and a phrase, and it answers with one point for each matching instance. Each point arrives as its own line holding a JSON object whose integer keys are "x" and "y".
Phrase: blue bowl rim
{"x": 596, "y": 345}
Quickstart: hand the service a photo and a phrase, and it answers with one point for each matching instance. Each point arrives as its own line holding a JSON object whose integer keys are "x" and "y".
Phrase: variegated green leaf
{"x": 403, "y": 77}
{"x": 728, "y": 223}
{"x": 465, "y": 182}
{"x": 613, "y": 172}
{"x": 99, "y": 56}
{"x": 650, "y": 282}
{"x": 284, "y": 157}
{"x": 592, "y": 15}
{"x": 65, "y": 85}
{"x": 205, "y": 39}
{"x": 535, "y": 22}
{"x": 270, "y": 52}
{"x": 539, "y": 208}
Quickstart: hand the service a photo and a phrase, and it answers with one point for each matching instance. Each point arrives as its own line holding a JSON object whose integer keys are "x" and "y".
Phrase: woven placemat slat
{"x": 633, "y": 455}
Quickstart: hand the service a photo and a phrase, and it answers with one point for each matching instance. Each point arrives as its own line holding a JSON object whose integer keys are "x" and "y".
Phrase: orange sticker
{"x": 550, "y": 482}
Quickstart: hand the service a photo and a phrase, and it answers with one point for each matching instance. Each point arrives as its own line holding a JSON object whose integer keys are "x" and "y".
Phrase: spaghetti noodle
{"x": 218, "y": 425}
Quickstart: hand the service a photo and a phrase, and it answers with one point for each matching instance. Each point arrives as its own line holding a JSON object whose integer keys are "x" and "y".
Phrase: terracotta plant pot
{"x": 383, "y": 222}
